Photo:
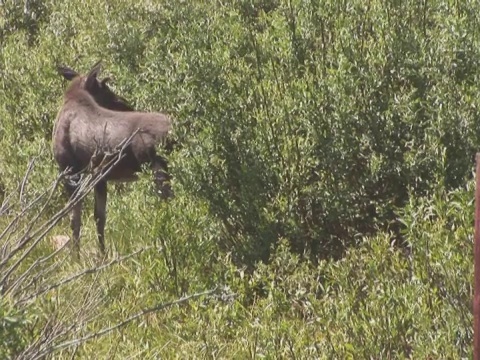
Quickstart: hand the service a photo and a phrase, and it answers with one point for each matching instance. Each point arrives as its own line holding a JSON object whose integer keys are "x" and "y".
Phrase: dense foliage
{"x": 313, "y": 138}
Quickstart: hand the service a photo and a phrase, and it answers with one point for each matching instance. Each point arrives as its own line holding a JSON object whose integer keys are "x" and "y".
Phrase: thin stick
{"x": 79, "y": 194}
{"x": 121, "y": 324}
{"x": 24, "y": 181}
{"x": 82, "y": 273}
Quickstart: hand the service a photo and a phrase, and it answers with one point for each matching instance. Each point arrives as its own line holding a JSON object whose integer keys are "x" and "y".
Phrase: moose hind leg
{"x": 76, "y": 217}
{"x": 100, "y": 212}
{"x": 162, "y": 177}
{"x": 76, "y": 224}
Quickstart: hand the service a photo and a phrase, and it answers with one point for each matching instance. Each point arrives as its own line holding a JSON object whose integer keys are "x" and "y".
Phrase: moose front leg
{"x": 100, "y": 212}
{"x": 162, "y": 177}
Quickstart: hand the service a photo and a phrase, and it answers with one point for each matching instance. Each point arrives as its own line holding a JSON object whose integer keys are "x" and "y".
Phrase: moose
{"x": 93, "y": 121}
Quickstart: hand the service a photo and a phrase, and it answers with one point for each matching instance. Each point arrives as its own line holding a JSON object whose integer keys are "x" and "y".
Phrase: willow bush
{"x": 302, "y": 128}
{"x": 306, "y": 120}
{"x": 312, "y": 120}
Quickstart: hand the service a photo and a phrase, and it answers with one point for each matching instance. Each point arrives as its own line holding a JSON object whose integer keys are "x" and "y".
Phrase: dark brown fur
{"x": 95, "y": 121}
{"x": 99, "y": 89}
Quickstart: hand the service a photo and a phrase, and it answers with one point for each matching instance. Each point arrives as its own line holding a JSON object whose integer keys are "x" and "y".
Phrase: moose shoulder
{"x": 93, "y": 122}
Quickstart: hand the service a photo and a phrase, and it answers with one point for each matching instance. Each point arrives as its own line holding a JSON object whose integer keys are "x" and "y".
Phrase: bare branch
{"x": 121, "y": 324}
{"x": 24, "y": 181}
{"x": 82, "y": 190}
{"x": 80, "y": 274}
{"x": 25, "y": 282}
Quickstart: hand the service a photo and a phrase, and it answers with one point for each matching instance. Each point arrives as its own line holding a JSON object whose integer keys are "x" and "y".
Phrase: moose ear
{"x": 93, "y": 73}
{"x": 66, "y": 72}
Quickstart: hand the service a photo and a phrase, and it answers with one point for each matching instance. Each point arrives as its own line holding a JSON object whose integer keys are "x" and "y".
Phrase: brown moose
{"x": 93, "y": 121}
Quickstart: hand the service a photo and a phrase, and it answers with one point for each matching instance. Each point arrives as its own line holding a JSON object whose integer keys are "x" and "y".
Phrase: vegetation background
{"x": 323, "y": 181}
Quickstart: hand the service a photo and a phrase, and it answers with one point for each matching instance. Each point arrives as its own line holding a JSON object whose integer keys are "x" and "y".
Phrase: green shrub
{"x": 312, "y": 121}
{"x": 12, "y": 330}
{"x": 303, "y": 120}
{"x": 304, "y": 127}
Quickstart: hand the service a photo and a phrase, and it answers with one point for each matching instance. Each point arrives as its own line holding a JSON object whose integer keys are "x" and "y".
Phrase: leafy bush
{"x": 313, "y": 129}
{"x": 303, "y": 127}
{"x": 309, "y": 121}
